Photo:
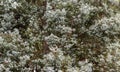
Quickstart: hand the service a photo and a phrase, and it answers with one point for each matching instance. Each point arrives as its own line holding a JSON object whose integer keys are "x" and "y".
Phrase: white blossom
{"x": 1, "y": 40}
{"x": 14, "y": 5}
{"x": 115, "y": 2}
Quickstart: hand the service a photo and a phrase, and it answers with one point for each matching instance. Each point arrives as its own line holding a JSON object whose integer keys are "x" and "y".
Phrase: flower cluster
{"x": 59, "y": 36}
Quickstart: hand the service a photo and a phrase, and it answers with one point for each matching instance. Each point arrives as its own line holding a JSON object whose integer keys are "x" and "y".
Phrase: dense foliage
{"x": 59, "y": 36}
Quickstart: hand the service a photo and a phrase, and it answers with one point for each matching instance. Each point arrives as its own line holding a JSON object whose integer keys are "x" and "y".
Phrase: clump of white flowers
{"x": 59, "y": 36}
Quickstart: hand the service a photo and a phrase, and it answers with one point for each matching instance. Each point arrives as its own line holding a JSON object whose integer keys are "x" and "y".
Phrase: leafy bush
{"x": 59, "y": 35}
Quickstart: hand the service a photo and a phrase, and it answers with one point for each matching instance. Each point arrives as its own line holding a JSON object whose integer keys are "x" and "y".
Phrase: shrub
{"x": 59, "y": 35}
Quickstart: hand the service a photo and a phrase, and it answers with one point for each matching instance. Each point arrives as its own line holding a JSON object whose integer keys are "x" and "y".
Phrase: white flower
{"x": 60, "y": 71}
{"x": 25, "y": 57}
{"x": 64, "y": 3}
{"x": 75, "y": 1}
{"x": 49, "y": 69}
{"x": 7, "y": 60}
{"x": 49, "y": 56}
{"x": 1, "y": 40}
{"x": 118, "y": 62}
{"x": 14, "y": 4}
{"x": 63, "y": 11}
{"x": 115, "y": 2}
{"x": 104, "y": 26}
{"x": 73, "y": 69}
{"x": 2, "y": 67}
{"x": 85, "y": 8}
{"x": 109, "y": 58}
{"x": 48, "y": 6}
{"x": 64, "y": 29}
{"x": 87, "y": 67}
{"x": 81, "y": 63}
{"x": 52, "y": 38}
{"x": 10, "y": 1}
{"x": 15, "y": 53}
